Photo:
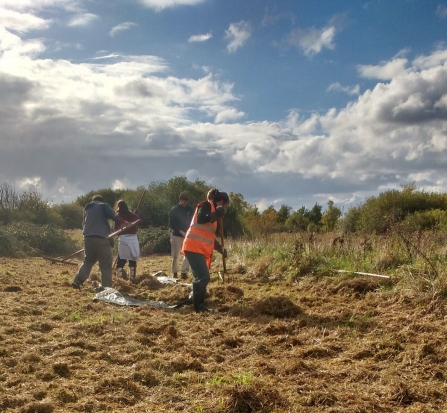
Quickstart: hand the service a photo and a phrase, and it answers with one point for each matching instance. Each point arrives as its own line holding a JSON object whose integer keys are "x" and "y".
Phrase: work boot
{"x": 120, "y": 273}
{"x": 133, "y": 275}
{"x": 184, "y": 276}
{"x": 75, "y": 286}
{"x": 198, "y": 297}
{"x": 174, "y": 275}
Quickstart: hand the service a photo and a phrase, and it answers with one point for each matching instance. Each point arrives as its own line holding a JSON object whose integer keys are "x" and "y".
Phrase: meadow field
{"x": 288, "y": 334}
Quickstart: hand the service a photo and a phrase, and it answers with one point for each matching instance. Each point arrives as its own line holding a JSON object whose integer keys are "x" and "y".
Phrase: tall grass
{"x": 415, "y": 263}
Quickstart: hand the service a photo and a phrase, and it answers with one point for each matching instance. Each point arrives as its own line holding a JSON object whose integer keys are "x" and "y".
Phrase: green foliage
{"x": 380, "y": 213}
{"x": 304, "y": 219}
{"x": 71, "y": 215}
{"x": 26, "y": 206}
{"x": 32, "y": 239}
{"x": 434, "y": 219}
{"x": 330, "y": 216}
{"x": 154, "y": 240}
{"x": 283, "y": 214}
{"x": 7, "y": 248}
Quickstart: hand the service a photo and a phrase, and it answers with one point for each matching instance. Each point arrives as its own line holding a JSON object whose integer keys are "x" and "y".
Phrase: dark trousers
{"x": 122, "y": 262}
{"x": 201, "y": 272}
{"x": 96, "y": 249}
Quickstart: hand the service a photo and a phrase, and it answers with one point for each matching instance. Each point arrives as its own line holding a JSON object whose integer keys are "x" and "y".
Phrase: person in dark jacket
{"x": 180, "y": 217}
{"x": 97, "y": 247}
{"x": 128, "y": 244}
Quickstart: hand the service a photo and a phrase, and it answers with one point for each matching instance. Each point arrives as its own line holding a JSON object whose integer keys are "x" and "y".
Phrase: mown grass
{"x": 282, "y": 338}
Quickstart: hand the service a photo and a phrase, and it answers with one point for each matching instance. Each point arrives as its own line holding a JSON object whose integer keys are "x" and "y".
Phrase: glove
{"x": 220, "y": 211}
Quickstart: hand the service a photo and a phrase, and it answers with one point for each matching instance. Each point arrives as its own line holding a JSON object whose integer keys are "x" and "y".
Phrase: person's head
{"x": 97, "y": 198}
{"x": 183, "y": 198}
{"x": 121, "y": 206}
{"x": 218, "y": 198}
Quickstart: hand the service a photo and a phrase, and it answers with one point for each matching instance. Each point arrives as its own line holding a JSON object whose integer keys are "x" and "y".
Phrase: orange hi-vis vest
{"x": 200, "y": 237}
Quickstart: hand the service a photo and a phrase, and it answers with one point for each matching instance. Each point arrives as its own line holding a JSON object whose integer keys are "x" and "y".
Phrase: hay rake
{"x": 67, "y": 260}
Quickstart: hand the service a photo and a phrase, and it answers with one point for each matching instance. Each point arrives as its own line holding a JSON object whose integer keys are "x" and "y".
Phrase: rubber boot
{"x": 133, "y": 275}
{"x": 184, "y": 276}
{"x": 174, "y": 275}
{"x": 198, "y": 297}
{"x": 119, "y": 273}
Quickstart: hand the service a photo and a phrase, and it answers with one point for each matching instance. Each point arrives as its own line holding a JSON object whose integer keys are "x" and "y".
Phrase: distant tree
{"x": 330, "y": 216}
{"x": 298, "y": 220}
{"x": 315, "y": 214}
{"x": 283, "y": 213}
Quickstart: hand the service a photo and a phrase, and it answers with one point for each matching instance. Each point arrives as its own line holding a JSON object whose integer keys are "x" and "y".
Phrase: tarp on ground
{"x": 112, "y": 296}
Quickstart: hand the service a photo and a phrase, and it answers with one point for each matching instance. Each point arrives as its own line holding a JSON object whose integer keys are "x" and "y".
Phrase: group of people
{"x": 193, "y": 236}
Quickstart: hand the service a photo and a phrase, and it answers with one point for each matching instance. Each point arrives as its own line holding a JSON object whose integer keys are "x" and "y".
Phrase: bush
{"x": 32, "y": 239}
{"x": 6, "y": 245}
{"x": 154, "y": 241}
{"x": 427, "y": 220}
{"x": 380, "y": 213}
{"x": 71, "y": 215}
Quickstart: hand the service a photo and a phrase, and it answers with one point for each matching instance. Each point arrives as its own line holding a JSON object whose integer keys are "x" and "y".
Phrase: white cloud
{"x": 237, "y": 34}
{"x": 163, "y": 4}
{"x": 436, "y": 58}
{"x": 12, "y": 46}
{"x": 200, "y": 37}
{"x": 126, "y": 120}
{"x": 83, "y": 19}
{"x": 21, "y": 22}
{"x": 121, "y": 28}
{"x": 21, "y": 5}
{"x": 384, "y": 71}
{"x": 228, "y": 115}
{"x": 353, "y": 90}
{"x": 312, "y": 41}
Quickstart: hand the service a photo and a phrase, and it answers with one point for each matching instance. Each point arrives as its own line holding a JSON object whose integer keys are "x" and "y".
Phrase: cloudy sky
{"x": 284, "y": 101}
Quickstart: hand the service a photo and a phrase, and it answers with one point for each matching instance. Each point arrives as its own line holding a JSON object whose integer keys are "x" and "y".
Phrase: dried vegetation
{"x": 323, "y": 343}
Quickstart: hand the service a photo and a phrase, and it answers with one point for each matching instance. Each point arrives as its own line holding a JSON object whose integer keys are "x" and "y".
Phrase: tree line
{"x": 409, "y": 208}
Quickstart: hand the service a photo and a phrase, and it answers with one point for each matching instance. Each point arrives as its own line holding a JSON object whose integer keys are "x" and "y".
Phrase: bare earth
{"x": 333, "y": 344}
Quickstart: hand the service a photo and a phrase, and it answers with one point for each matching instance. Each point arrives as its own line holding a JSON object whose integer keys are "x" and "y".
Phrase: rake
{"x": 66, "y": 260}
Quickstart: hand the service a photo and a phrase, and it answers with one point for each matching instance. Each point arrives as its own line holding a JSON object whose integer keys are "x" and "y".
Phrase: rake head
{"x": 61, "y": 262}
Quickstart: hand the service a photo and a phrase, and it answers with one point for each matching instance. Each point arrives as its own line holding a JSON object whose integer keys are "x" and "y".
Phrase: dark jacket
{"x": 96, "y": 219}
{"x": 180, "y": 219}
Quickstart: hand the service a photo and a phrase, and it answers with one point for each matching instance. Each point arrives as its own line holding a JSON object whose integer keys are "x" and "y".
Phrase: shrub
{"x": 34, "y": 239}
{"x": 6, "y": 245}
{"x": 426, "y": 220}
{"x": 71, "y": 215}
{"x": 154, "y": 240}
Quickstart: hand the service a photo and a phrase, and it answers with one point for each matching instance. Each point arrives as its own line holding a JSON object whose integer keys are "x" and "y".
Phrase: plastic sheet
{"x": 112, "y": 296}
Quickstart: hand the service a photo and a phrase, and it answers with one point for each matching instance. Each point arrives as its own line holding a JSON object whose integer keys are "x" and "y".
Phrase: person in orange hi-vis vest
{"x": 200, "y": 242}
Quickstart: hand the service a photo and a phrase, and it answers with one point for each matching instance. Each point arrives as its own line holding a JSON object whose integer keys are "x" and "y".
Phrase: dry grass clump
{"x": 277, "y": 306}
{"x": 253, "y": 397}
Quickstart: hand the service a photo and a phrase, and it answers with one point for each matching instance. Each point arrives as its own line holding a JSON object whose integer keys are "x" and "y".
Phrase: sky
{"x": 287, "y": 102}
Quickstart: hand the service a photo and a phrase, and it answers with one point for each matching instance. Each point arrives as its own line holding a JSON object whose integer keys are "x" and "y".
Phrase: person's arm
{"x": 111, "y": 214}
{"x": 203, "y": 213}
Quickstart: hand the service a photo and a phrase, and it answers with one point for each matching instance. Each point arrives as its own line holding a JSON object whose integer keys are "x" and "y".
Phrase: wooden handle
{"x": 120, "y": 231}
{"x": 222, "y": 244}
{"x": 139, "y": 202}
